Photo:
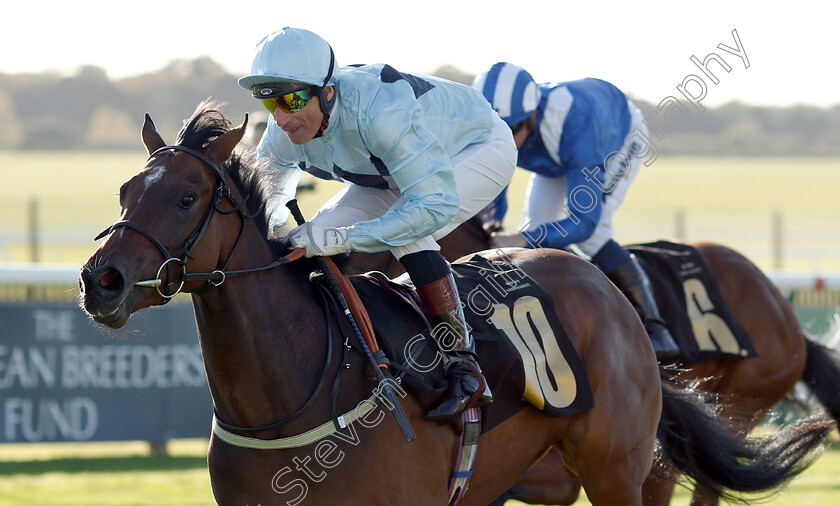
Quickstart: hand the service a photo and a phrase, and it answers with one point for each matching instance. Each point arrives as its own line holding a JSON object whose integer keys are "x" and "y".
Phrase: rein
{"x": 216, "y": 277}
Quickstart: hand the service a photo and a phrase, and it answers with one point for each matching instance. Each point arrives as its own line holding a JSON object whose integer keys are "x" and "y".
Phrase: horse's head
{"x": 167, "y": 209}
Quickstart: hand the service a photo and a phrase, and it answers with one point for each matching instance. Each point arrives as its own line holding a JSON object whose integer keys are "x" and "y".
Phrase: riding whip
{"x": 383, "y": 382}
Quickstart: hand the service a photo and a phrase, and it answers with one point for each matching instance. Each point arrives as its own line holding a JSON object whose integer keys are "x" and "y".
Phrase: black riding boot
{"x": 634, "y": 283}
{"x": 466, "y": 384}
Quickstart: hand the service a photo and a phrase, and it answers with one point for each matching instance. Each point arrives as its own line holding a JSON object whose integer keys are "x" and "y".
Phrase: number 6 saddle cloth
{"x": 691, "y": 304}
{"x": 526, "y": 356}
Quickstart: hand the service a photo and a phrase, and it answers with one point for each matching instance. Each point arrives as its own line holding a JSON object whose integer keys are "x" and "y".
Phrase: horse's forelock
{"x": 252, "y": 178}
{"x": 205, "y": 124}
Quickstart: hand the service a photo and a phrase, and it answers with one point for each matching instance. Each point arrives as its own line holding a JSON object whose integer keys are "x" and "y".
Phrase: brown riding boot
{"x": 466, "y": 384}
{"x": 634, "y": 283}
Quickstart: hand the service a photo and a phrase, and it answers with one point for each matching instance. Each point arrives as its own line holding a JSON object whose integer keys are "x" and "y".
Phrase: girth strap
{"x": 299, "y": 440}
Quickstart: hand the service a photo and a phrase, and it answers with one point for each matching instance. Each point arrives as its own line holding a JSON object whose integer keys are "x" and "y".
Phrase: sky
{"x": 785, "y": 57}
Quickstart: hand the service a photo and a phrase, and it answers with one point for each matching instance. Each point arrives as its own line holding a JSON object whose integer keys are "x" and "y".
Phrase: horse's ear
{"x": 222, "y": 147}
{"x": 151, "y": 138}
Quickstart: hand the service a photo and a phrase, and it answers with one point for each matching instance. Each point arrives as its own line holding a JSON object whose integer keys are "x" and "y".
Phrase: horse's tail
{"x": 822, "y": 375}
{"x": 694, "y": 439}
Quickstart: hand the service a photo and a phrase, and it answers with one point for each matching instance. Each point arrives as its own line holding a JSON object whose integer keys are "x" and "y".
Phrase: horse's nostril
{"x": 107, "y": 277}
{"x": 109, "y": 280}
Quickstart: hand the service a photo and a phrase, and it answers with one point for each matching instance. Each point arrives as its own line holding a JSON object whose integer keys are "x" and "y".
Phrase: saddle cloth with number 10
{"x": 523, "y": 350}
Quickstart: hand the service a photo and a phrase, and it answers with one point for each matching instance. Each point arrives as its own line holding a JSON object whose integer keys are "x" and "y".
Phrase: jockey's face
{"x": 523, "y": 133}
{"x": 302, "y": 126}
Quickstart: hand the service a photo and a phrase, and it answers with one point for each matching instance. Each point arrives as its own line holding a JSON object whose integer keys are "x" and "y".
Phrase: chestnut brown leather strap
{"x": 355, "y": 305}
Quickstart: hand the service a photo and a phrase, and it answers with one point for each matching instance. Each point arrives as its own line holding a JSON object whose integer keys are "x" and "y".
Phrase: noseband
{"x": 214, "y": 278}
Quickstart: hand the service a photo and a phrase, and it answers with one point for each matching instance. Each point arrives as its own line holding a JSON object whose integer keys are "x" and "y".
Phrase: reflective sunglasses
{"x": 290, "y": 101}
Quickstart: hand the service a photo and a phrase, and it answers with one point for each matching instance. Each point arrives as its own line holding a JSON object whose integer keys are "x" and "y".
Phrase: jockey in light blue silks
{"x": 583, "y": 142}
{"x": 421, "y": 155}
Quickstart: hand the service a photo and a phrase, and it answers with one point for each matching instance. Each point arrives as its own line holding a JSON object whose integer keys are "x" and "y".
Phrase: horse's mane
{"x": 252, "y": 178}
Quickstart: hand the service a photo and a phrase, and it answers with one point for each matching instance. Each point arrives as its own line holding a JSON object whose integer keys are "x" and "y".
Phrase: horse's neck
{"x": 258, "y": 332}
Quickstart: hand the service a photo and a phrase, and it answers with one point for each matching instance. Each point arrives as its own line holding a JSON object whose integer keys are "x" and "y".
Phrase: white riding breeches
{"x": 481, "y": 172}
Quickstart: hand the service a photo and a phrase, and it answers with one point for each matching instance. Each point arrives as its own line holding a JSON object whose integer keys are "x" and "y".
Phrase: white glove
{"x": 320, "y": 241}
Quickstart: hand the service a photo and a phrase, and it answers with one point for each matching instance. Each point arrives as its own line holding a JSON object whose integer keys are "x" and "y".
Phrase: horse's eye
{"x": 187, "y": 201}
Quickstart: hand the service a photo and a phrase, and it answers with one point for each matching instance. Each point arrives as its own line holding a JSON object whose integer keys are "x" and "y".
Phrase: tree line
{"x": 90, "y": 111}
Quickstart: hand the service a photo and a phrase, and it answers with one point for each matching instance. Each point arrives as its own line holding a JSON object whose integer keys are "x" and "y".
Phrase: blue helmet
{"x": 511, "y": 91}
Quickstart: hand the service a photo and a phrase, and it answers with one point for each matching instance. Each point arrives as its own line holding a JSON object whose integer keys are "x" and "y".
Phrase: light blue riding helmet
{"x": 511, "y": 91}
{"x": 292, "y": 55}
{"x": 297, "y": 56}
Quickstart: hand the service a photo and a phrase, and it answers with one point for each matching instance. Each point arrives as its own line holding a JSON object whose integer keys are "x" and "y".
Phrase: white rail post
{"x": 32, "y": 219}
{"x": 778, "y": 240}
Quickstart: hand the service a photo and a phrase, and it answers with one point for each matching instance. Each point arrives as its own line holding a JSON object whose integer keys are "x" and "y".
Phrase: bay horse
{"x": 271, "y": 353}
{"x": 747, "y": 388}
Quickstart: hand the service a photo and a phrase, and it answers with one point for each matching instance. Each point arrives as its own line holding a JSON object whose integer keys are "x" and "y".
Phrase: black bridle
{"x": 216, "y": 277}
